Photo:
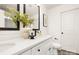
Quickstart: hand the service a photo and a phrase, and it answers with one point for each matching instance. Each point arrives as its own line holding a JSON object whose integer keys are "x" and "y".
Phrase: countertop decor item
{"x": 23, "y": 18}
{"x": 15, "y": 15}
{"x": 25, "y": 32}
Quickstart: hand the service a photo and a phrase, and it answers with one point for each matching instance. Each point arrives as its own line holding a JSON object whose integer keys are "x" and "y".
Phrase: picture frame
{"x": 45, "y": 20}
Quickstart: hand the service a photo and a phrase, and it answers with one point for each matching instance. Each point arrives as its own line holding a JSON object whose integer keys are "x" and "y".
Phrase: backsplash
{"x": 9, "y": 35}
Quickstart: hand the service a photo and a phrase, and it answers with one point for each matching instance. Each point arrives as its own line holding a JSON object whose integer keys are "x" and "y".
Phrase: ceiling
{"x": 48, "y": 6}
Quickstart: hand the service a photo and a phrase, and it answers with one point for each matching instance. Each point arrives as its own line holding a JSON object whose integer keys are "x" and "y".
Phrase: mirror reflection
{"x": 32, "y": 10}
{"x": 5, "y": 21}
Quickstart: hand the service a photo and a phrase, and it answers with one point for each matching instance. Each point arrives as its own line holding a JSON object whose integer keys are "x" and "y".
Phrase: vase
{"x": 25, "y": 32}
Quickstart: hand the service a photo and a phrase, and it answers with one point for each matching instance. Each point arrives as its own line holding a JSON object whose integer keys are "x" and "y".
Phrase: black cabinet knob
{"x": 62, "y": 33}
{"x": 38, "y": 50}
{"x": 56, "y": 38}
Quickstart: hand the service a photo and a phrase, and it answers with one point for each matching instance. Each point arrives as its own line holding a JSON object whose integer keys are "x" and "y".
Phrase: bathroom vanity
{"x": 38, "y": 46}
{"x": 43, "y": 47}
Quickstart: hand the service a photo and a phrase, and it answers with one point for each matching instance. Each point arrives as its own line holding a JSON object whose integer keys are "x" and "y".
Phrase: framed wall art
{"x": 45, "y": 20}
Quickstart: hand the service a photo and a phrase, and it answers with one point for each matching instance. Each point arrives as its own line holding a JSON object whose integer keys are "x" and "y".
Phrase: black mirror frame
{"x": 24, "y": 11}
{"x": 38, "y": 21}
{"x": 18, "y": 24}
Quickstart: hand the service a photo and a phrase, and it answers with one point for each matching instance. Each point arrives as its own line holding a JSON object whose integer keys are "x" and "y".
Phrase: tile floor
{"x": 64, "y": 52}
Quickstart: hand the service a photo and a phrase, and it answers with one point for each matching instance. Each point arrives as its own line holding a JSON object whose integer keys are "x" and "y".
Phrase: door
{"x": 70, "y": 30}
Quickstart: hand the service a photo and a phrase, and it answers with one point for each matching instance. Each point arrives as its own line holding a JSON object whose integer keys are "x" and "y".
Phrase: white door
{"x": 70, "y": 29}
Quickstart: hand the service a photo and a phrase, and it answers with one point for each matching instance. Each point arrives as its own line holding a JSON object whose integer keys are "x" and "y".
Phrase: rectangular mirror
{"x": 5, "y": 22}
{"x": 34, "y": 11}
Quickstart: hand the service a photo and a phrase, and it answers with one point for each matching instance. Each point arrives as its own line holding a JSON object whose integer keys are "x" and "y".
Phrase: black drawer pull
{"x": 56, "y": 38}
{"x": 38, "y": 50}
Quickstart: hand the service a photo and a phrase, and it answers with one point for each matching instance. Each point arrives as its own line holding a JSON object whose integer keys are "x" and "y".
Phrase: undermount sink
{"x": 5, "y": 46}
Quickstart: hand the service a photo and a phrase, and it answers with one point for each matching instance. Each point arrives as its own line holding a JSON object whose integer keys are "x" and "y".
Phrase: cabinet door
{"x": 36, "y": 51}
{"x": 44, "y": 48}
{"x": 70, "y": 29}
{"x": 48, "y": 49}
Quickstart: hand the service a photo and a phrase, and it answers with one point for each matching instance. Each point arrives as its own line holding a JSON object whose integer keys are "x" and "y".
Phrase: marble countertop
{"x": 21, "y": 44}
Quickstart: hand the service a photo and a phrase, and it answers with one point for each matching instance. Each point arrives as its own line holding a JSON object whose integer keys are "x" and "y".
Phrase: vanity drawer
{"x": 43, "y": 48}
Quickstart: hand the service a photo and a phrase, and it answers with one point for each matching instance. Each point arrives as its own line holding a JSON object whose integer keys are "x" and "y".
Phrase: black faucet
{"x": 31, "y": 36}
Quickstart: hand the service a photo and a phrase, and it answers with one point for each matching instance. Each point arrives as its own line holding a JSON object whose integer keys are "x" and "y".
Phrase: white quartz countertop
{"x": 21, "y": 44}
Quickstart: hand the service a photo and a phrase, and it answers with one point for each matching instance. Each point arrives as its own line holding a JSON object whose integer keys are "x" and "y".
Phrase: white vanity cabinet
{"x": 44, "y": 47}
{"x": 39, "y": 46}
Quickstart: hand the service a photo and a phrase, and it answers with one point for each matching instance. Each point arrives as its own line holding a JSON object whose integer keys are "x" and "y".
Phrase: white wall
{"x": 54, "y": 19}
{"x": 44, "y": 30}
